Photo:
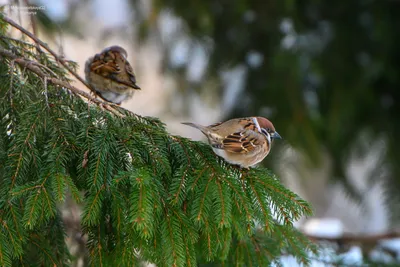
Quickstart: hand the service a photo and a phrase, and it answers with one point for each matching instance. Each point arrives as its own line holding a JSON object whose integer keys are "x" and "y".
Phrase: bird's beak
{"x": 275, "y": 135}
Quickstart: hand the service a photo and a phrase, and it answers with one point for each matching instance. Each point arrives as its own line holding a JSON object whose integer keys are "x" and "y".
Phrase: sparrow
{"x": 242, "y": 141}
{"x": 111, "y": 75}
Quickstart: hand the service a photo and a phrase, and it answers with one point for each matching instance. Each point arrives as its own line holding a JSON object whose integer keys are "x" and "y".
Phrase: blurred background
{"x": 326, "y": 73}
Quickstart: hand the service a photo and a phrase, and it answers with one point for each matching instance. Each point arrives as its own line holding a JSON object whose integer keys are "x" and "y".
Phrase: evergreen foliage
{"x": 146, "y": 195}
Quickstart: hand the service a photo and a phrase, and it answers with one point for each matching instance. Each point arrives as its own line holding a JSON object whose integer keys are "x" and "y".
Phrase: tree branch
{"x": 45, "y": 46}
{"x": 365, "y": 242}
{"x": 35, "y": 67}
{"x": 360, "y": 239}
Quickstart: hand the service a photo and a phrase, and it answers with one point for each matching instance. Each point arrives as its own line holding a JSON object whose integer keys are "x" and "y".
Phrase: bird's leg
{"x": 241, "y": 168}
{"x": 237, "y": 167}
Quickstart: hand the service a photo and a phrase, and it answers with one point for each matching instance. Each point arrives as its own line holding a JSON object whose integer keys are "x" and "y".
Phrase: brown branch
{"x": 365, "y": 242}
{"x": 113, "y": 108}
{"x": 35, "y": 67}
{"x": 46, "y": 47}
{"x": 359, "y": 239}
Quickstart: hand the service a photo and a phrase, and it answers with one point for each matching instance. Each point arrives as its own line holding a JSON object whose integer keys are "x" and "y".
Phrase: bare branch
{"x": 356, "y": 239}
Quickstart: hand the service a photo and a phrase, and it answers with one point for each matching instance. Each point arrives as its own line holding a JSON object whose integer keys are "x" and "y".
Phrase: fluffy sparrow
{"x": 244, "y": 142}
{"x": 111, "y": 75}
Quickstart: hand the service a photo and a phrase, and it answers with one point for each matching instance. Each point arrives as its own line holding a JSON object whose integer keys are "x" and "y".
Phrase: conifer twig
{"x": 26, "y": 62}
{"x": 36, "y": 68}
{"x": 46, "y": 47}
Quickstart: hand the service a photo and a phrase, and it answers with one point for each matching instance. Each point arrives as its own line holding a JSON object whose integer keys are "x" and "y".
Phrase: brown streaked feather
{"x": 129, "y": 70}
{"x": 240, "y": 142}
{"x": 110, "y": 66}
{"x": 235, "y": 137}
{"x": 107, "y": 70}
{"x": 128, "y": 78}
{"x": 104, "y": 66}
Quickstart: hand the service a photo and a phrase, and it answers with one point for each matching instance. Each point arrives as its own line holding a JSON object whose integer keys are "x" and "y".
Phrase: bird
{"x": 110, "y": 75}
{"x": 240, "y": 141}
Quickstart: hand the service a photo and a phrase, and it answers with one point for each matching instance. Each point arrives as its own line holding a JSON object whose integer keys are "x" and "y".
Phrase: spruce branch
{"x": 26, "y": 63}
{"x": 45, "y": 46}
{"x": 146, "y": 195}
{"x": 35, "y": 67}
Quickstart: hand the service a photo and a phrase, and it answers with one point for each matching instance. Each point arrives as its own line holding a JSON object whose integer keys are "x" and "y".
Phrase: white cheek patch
{"x": 267, "y": 135}
{"x": 268, "y": 138}
{"x": 257, "y": 125}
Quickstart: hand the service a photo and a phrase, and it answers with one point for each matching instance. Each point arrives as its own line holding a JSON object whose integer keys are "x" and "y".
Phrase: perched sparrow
{"x": 244, "y": 142}
{"x": 111, "y": 75}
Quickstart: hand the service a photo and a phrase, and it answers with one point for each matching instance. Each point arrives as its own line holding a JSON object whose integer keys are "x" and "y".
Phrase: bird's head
{"x": 116, "y": 49}
{"x": 267, "y": 128}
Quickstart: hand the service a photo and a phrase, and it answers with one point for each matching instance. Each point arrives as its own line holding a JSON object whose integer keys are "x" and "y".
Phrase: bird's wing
{"x": 242, "y": 142}
{"x": 105, "y": 67}
{"x": 131, "y": 76}
{"x": 119, "y": 71}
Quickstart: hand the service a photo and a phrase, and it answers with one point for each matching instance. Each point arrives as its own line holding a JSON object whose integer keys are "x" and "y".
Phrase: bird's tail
{"x": 202, "y": 128}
